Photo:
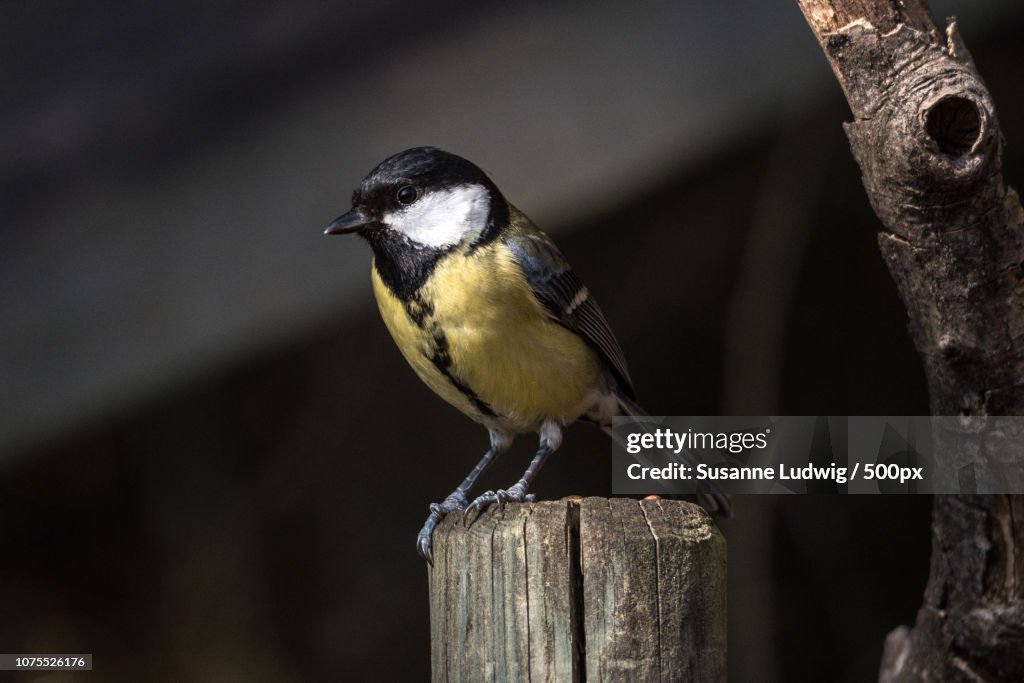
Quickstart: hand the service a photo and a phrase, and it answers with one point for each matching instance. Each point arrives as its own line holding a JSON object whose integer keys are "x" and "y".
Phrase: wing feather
{"x": 563, "y": 296}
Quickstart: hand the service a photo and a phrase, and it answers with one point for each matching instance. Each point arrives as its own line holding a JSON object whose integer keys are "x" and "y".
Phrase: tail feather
{"x": 629, "y": 406}
{"x": 710, "y": 496}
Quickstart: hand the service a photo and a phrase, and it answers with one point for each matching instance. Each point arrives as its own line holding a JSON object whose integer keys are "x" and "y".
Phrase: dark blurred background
{"x": 213, "y": 462}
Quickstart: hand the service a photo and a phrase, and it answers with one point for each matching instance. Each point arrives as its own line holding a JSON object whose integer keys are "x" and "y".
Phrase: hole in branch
{"x": 954, "y": 123}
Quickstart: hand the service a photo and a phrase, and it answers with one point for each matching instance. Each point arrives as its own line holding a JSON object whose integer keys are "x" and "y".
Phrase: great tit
{"x": 488, "y": 313}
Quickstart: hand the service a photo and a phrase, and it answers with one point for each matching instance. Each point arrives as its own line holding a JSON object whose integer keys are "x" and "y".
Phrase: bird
{"x": 489, "y": 314}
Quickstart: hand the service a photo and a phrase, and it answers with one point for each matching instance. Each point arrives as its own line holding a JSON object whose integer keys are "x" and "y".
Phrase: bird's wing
{"x": 562, "y": 295}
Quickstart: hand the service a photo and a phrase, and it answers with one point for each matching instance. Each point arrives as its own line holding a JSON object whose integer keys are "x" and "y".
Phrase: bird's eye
{"x": 407, "y": 194}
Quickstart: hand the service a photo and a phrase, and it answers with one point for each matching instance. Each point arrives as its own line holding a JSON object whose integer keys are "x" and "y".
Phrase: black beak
{"x": 353, "y": 221}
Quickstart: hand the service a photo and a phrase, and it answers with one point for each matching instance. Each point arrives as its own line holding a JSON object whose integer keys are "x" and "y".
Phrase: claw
{"x": 423, "y": 538}
{"x": 423, "y": 547}
{"x": 469, "y": 516}
{"x": 438, "y": 511}
{"x": 514, "y": 494}
{"x": 473, "y": 510}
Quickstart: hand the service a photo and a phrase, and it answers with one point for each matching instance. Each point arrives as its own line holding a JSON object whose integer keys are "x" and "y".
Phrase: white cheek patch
{"x": 445, "y": 217}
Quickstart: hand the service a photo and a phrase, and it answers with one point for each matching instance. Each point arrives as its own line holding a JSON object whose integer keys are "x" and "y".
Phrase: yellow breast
{"x": 502, "y": 346}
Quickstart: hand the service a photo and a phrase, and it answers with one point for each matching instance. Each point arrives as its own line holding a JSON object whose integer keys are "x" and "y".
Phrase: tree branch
{"x": 928, "y": 143}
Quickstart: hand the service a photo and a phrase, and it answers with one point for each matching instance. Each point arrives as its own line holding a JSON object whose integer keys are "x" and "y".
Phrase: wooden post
{"x": 598, "y": 590}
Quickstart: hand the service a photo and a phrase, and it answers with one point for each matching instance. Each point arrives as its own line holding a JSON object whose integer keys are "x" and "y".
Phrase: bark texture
{"x": 928, "y": 143}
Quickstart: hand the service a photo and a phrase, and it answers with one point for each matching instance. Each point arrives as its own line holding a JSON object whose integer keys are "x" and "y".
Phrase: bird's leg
{"x": 456, "y": 500}
{"x": 550, "y": 439}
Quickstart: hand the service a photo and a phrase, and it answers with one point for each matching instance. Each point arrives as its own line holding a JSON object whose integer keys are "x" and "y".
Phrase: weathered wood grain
{"x": 602, "y": 590}
{"x": 695, "y": 646}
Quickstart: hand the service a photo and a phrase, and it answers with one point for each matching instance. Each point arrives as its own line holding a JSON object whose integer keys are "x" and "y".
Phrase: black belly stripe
{"x": 419, "y": 312}
{"x": 442, "y": 361}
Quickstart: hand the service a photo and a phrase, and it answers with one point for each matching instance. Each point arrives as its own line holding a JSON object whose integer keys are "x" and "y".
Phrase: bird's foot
{"x": 455, "y": 501}
{"x": 514, "y": 494}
